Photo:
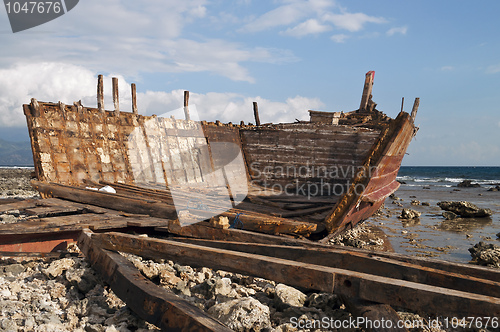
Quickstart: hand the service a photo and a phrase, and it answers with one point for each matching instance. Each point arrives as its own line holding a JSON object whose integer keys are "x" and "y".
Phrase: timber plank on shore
{"x": 143, "y": 205}
{"x": 149, "y": 301}
{"x": 107, "y": 200}
{"x": 202, "y": 231}
{"x": 363, "y": 262}
{"x": 395, "y": 292}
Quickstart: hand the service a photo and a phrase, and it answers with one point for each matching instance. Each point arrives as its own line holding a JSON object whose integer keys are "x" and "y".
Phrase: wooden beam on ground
{"x": 150, "y": 204}
{"x": 399, "y": 293}
{"x": 149, "y": 301}
{"x": 362, "y": 262}
{"x": 262, "y": 223}
{"x": 107, "y": 200}
{"x": 202, "y": 231}
{"x": 205, "y": 231}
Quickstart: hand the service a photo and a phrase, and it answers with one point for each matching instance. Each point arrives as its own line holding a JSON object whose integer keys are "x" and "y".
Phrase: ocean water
{"x": 448, "y": 176}
{"x": 432, "y": 235}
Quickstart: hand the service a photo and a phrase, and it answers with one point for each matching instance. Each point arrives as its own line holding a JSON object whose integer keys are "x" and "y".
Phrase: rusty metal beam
{"x": 37, "y": 242}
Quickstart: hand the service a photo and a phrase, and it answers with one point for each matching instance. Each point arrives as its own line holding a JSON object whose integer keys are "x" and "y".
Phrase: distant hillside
{"x": 15, "y": 153}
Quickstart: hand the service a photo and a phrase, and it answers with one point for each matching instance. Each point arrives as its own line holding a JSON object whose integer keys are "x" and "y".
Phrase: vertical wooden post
{"x": 256, "y": 113}
{"x": 402, "y": 103}
{"x": 116, "y": 100}
{"x": 134, "y": 99}
{"x": 186, "y": 105}
{"x": 367, "y": 89}
{"x": 415, "y": 108}
{"x": 100, "y": 94}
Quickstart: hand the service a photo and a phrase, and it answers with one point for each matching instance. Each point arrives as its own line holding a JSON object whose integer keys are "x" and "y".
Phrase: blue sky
{"x": 288, "y": 55}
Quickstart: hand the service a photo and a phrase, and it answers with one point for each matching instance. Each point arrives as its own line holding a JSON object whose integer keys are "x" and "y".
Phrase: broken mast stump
{"x": 134, "y": 98}
{"x": 256, "y": 113}
{"x": 100, "y": 94}
{"x": 186, "y": 105}
{"x": 415, "y": 108}
{"x": 116, "y": 100}
{"x": 367, "y": 90}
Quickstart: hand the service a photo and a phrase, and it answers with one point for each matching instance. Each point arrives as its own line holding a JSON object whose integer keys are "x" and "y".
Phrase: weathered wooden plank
{"x": 252, "y": 221}
{"x": 48, "y": 211}
{"x": 149, "y": 301}
{"x": 438, "y": 300}
{"x": 19, "y": 205}
{"x": 251, "y": 215}
{"x": 202, "y": 231}
{"x": 107, "y": 200}
{"x": 363, "y": 262}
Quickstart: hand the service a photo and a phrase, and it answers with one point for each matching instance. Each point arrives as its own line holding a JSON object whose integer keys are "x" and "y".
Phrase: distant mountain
{"x": 15, "y": 153}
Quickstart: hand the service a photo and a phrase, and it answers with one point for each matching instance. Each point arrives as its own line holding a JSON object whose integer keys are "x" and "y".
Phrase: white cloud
{"x": 493, "y": 69}
{"x": 135, "y": 36}
{"x": 311, "y": 26}
{"x": 51, "y": 82}
{"x": 352, "y": 21}
{"x": 340, "y": 38}
{"x": 55, "y": 82}
{"x": 291, "y": 12}
{"x": 318, "y": 16}
{"x": 499, "y": 124}
{"x": 397, "y": 30}
{"x": 447, "y": 68}
{"x": 228, "y": 107}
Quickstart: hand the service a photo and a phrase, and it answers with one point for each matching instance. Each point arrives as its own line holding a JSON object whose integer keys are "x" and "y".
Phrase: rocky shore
{"x": 64, "y": 293}
{"x": 15, "y": 183}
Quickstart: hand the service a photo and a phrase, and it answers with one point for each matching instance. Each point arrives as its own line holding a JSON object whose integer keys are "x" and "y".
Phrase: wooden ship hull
{"x": 312, "y": 179}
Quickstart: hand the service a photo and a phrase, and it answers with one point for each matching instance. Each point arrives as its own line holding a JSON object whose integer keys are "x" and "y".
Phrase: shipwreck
{"x": 257, "y": 199}
{"x": 309, "y": 178}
